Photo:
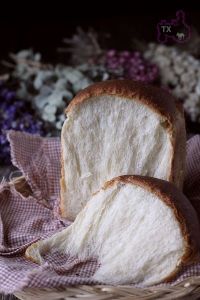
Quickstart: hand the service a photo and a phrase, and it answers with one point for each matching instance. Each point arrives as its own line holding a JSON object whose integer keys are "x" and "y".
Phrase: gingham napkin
{"x": 24, "y": 220}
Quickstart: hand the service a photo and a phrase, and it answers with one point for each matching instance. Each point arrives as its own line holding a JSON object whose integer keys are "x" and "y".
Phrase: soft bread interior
{"x": 109, "y": 136}
{"x": 134, "y": 235}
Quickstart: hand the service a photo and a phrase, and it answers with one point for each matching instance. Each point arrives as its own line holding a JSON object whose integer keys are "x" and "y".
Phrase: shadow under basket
{"x": 186, "y": 289}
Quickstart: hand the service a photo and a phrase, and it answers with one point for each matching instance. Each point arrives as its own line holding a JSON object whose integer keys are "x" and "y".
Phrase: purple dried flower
{"x": 15, "y": 114}
{"x": 130, "y": 65}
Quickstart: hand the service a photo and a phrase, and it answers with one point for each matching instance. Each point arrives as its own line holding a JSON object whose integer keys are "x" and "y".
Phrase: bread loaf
{"x": 117, "y": 128}
{"x": 142, "y": 230}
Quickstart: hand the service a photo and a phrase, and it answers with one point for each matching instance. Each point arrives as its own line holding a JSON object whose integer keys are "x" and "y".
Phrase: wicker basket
{"x": 187, "y": 289}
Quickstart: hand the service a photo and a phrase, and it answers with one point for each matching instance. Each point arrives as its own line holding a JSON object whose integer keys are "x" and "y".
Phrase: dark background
{"x": 44, "y": 32}
{"x": 43, "y": 28}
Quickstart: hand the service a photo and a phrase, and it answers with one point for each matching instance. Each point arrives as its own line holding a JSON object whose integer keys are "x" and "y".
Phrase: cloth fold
{"x": 24, "y": 220}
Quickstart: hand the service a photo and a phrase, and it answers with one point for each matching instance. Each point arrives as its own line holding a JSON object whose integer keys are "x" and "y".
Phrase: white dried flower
{"x": 197, "y": 88}
{"x": 81, "y": 84}
{"x": 49, "y": 88}
{"x": 179, "y": 71}
{"x": 41, "y": 77}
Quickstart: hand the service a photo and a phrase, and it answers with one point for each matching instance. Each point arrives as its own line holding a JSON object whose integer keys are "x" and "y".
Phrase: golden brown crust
{"x": 183, "y": 211}
{"x": 158, "y": 99}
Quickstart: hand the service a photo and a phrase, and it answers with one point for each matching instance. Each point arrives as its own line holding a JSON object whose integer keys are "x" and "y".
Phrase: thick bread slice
{"x": 117, "y": 128}
{"x": 141, "y": 230}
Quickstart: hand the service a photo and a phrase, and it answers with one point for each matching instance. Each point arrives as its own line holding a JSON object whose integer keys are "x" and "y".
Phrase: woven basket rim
{"x": 189, "y": 288}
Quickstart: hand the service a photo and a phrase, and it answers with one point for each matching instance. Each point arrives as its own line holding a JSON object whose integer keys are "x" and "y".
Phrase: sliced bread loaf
{"x": 141, "y": 230}
{"x": 116, "y": 128}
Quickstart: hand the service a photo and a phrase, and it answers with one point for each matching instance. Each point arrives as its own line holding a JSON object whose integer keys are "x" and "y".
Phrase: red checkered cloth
{"x": 24, "y": 220}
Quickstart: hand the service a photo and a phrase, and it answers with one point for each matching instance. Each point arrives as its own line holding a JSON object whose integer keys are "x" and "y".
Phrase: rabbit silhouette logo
{"x": 174, "y": 29}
